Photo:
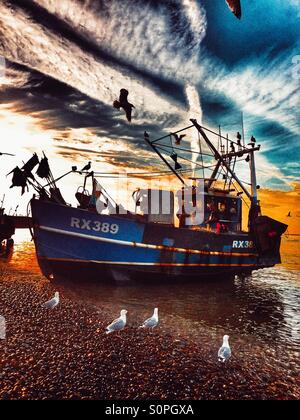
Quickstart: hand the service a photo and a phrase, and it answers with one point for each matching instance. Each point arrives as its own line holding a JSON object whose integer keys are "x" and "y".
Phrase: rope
{"x": 192, "y": 126}
{"x": 28, "y": 213}
{"x": 183, "y": 150}
{"x": 186, "y": 159}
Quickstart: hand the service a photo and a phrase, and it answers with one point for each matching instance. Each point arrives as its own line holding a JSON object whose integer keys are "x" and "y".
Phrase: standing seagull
{"x": 118, "y": 324}
{"x": 235, "y": 7}
{"x": 87, "y": 167}
{"x": 151, "y": 322}
{"x": 2, "y": 328}
{"x": 224, "y": 353}
{"x": 51, "y": 304}
{"x": 123, "y": 103}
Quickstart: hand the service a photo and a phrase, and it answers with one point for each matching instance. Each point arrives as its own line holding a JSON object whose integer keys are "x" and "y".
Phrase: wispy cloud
{"x": 261, "y": 87}
{"x": 141, "y": 45}
{"x": 27, "y": 42}
{"x": 161, "y": 37}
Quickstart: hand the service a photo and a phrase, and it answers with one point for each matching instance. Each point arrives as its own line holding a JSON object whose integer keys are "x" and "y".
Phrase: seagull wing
{"x": 235, "y": 7}
{"x": 128, "y": 110}
{"x": 123, "y": 95}
{"x": 116, "y": 325}
{"x": 6, "y": 154}
{"x": 50, "y": 304}
{"x": 117, "y": 105}
{"x": 150, "y": 323}
{"x": 224, "y": 353}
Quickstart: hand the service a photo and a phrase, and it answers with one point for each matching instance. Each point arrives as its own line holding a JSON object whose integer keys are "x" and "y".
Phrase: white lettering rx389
{"x": 242, "y": 244}
{"x": 94, "y": 226}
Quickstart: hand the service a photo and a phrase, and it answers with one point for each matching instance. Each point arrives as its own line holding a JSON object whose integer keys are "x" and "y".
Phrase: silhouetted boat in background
{"x": 6, "y": 232}
{"x": 8, "y": 225}
{"x": 81, "y": 243}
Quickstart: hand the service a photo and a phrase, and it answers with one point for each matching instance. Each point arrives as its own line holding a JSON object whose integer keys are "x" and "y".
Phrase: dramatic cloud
{"x": 27, "y": 42}
{"x": 73, "y": 57}
{"x": 162, "y": 38}
{"x": 262, "y": 88}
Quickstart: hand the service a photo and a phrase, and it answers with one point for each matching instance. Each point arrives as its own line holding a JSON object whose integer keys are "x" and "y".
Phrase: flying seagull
{"x": 151, "y": 322}
{"x": 235, "y": 7}
{"x": 123, "y": 103}
{"x": 178, "y": 139}
{"x": 224, "y": 353}
{"x": 87, "y": 167}
{"x": 52, "y": 303}
{"x": 118, "y": 324}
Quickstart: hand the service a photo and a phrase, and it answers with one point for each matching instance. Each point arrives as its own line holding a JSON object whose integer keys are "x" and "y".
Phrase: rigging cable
{"x": 200, "y": 149}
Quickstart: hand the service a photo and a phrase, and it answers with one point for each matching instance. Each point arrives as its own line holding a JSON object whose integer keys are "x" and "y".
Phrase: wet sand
{"x": 65, "y": 353}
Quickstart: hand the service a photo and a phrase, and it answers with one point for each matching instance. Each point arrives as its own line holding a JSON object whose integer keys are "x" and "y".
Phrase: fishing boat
{"x": 86, "y": 243}
{"x": 7, "y": 230}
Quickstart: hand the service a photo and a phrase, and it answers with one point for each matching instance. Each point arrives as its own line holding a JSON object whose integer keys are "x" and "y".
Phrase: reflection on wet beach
{"x": 290, "y": 251}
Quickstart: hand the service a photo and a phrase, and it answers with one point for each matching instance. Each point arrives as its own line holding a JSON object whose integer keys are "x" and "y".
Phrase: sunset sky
{"x": 65, "y": 62}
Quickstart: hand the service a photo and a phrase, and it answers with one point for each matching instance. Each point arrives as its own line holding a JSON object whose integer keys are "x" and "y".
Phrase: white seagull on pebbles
{"x": 2, "y": 328}
{"x": 118, "y": 324}
{"x": 151, "y": 322}
{"x": 52, "y": 303}
{"x": 224, "y": 353}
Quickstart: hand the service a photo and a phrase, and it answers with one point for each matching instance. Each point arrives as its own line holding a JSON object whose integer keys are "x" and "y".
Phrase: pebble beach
{"x": 65, "y": 354}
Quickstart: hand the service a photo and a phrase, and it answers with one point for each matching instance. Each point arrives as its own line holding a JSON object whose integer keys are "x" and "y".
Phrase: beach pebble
{"x": 65, "y": 354}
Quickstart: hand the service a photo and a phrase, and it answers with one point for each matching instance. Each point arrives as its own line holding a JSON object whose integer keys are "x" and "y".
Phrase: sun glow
{"x": 21, "y": 133}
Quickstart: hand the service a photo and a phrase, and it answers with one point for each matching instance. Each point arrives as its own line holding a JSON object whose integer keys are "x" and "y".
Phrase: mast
{"x": 222, "y": 161}
{"x": 243, "y": 129}
{"x": 213, "y": 176}
{"x": 253, "y": 178}
{"x": 2, "y": 202}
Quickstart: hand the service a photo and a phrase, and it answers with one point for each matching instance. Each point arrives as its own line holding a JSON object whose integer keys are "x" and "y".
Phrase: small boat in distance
{"x": 7, "y": 230}
{"x": 85, "y": 243}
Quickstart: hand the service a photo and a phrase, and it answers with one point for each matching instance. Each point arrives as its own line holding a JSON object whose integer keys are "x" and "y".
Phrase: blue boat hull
{"x": 78, "y": 244}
